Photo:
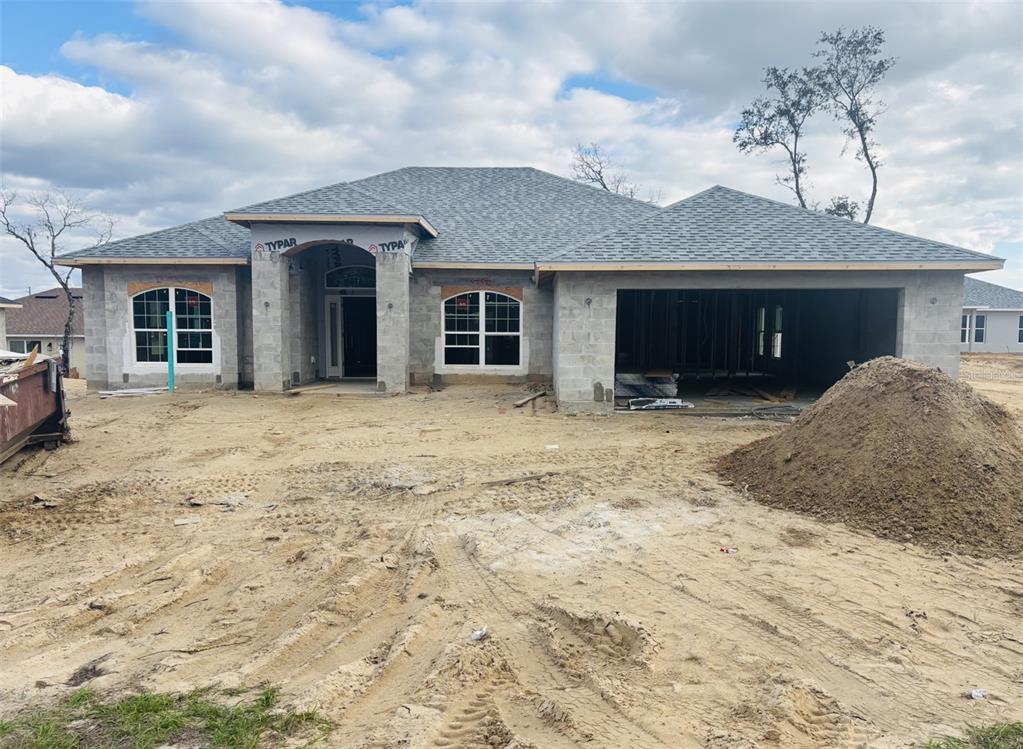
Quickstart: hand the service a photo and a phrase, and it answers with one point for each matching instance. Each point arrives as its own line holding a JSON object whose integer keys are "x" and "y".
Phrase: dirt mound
{"x": 902, "y": 450}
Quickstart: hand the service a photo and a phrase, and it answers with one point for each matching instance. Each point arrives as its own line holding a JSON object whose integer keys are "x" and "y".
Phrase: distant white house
{"x": 992, "y": 318}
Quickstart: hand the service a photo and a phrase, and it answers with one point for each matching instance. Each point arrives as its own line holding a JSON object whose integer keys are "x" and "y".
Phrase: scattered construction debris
{"x": 658, "y": 404}
{"x": 131, "y": 392}
{"x": 529, "y": 399}
{"x": 902, "y": 450}
{"x": 32, "y": 404}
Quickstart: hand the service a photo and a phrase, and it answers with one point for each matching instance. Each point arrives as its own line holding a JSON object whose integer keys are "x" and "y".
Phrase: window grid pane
{"x": 193, "y": 321}
{"x": 502, "y": 313}
{"x": 462, "y": 313}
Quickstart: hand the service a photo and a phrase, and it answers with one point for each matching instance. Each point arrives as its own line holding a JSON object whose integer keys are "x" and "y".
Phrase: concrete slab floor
{"x": 355, "y": 387}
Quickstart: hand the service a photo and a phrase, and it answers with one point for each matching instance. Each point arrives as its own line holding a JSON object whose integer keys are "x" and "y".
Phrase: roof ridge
{"x": 626, "y": 225}
{"x": 577, "y": 183}
{"x": 831, "y": 217}
{"x": 384, "y": 201}
{"x": 209, "y": 235}
{"x": 286, "y": 197}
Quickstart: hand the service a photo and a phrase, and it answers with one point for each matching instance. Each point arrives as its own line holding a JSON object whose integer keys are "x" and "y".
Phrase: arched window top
{"x": 351, "y": 277}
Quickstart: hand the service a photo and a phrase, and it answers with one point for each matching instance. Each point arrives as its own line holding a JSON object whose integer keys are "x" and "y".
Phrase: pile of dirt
{"x": 902, "y": 450}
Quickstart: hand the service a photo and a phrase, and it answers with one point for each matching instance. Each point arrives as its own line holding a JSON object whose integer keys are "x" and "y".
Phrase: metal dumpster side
{"x": 33, "y": 407}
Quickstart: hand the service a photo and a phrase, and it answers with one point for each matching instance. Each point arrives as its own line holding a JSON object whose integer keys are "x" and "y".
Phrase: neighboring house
{"x": 442, "y": 274}
{"x": 5, "y": 305}
{"x": 992, "y": 319}
{"x": 40, "y": 323}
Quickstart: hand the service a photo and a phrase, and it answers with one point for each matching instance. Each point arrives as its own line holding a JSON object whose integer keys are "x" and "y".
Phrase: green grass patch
{"x": 996, "y": 736}
{"x": 224, "y": 719}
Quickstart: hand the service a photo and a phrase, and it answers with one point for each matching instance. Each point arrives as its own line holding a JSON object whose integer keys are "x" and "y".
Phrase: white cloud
{"x": 258, "y": 99}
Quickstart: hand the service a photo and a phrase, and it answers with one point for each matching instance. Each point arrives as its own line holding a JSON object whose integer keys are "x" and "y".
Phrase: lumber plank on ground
{"x": 523, "y": 401}
{"x": 520, "y": 479}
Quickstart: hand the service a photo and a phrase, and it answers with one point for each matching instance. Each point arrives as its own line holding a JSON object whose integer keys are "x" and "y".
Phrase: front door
{"x": 359, "y": 333}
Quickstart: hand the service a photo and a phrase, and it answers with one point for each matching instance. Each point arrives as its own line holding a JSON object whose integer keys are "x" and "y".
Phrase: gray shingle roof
{"x": 5, "y": 300}
{"x": 208, "y": 238}
{"x": 501, "y": 214}
{"x": 977, "y": 293}
{"x": 342, "y": 198}
{"x": 721, "y": 225}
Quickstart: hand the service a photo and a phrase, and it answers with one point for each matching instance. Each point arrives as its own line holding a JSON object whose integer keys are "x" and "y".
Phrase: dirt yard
{"x": 346, "y": 549}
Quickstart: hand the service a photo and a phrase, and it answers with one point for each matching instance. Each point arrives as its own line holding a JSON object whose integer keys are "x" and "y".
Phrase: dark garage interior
{"x": 771, "y": 339}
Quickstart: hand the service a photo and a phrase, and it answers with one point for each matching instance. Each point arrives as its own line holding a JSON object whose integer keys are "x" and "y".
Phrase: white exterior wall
{"x": 51, "y": 347}
{"x": 1001, "y": 332}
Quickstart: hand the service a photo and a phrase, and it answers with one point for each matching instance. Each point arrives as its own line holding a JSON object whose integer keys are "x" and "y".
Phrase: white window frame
{"x": 964, "y": 329}
{"x": 172, "y": 307}
{"x": 979, "y": 331}
{"x": 1019, "y": 334}
{"x": 25, "y": 348}
{"x": 482, "y": 367}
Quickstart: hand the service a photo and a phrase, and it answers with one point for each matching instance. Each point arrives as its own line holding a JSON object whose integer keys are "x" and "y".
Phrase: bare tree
{"x": 780, "y": 121}
{"x": 591, "y": 165}
{"x": 56, "y": 216}
{"x": 851, "y": 67}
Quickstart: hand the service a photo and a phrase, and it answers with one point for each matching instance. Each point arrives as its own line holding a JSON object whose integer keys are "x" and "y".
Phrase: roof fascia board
{"x": 245, "y": 219}
{"x": 993, "y": 309}
{"x": 472, "y": 266}
{"x": 79, "y": 261}
{"x": 43, "y": 335}
{"x": 10, "y": 306}
{"x": 966, "y": 266}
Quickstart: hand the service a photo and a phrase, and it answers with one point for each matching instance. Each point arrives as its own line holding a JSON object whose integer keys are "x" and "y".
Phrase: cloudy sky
{"x": 163, "y": 112}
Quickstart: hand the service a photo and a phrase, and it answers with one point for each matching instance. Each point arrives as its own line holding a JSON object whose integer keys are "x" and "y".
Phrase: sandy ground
{"x": 347, "y": 548}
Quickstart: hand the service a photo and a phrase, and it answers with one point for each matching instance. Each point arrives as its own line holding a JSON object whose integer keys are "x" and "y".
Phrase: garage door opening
{"x": 695, "y": 343}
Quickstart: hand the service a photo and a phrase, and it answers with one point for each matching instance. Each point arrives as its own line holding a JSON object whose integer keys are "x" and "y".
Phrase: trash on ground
{"x": 189, "y": 520}
{"x": 977, "y": 694}
{"x": 658, "y": 404}
{"x": 552, "y": 447}
{"x": 728, "y": 550}
{"x": 480, "y": 634}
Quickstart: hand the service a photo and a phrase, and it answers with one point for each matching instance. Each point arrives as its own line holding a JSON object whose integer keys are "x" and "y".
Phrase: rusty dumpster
{"x": 32, "y": 406}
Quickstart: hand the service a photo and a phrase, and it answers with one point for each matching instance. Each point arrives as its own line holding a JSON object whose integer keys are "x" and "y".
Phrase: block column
{"x": 930, "y": 306}
{"x": 393, "y": 271}
{"x": 585, "y": 308}
{"x": 270, "y": 320}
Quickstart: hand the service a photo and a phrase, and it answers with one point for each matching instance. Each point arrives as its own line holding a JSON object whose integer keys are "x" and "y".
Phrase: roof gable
{"x": 722, "y": 225}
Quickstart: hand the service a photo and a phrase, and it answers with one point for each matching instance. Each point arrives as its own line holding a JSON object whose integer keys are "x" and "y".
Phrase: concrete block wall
{"x": 930, "y": 310}
{"x": 585, "y": 309}
{"x": 109, "y": 336}
{"x": 271, "y": 312}
{"x": 243, "y": 282}
{"x": 94, "y": 317}
{"x": 392, "y": 275}
{"x": 426, "y": 318}
{"x": 306, "y": 297}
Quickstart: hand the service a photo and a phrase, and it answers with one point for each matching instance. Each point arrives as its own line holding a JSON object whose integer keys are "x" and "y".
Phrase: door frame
{"x": 334, "y": 351}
